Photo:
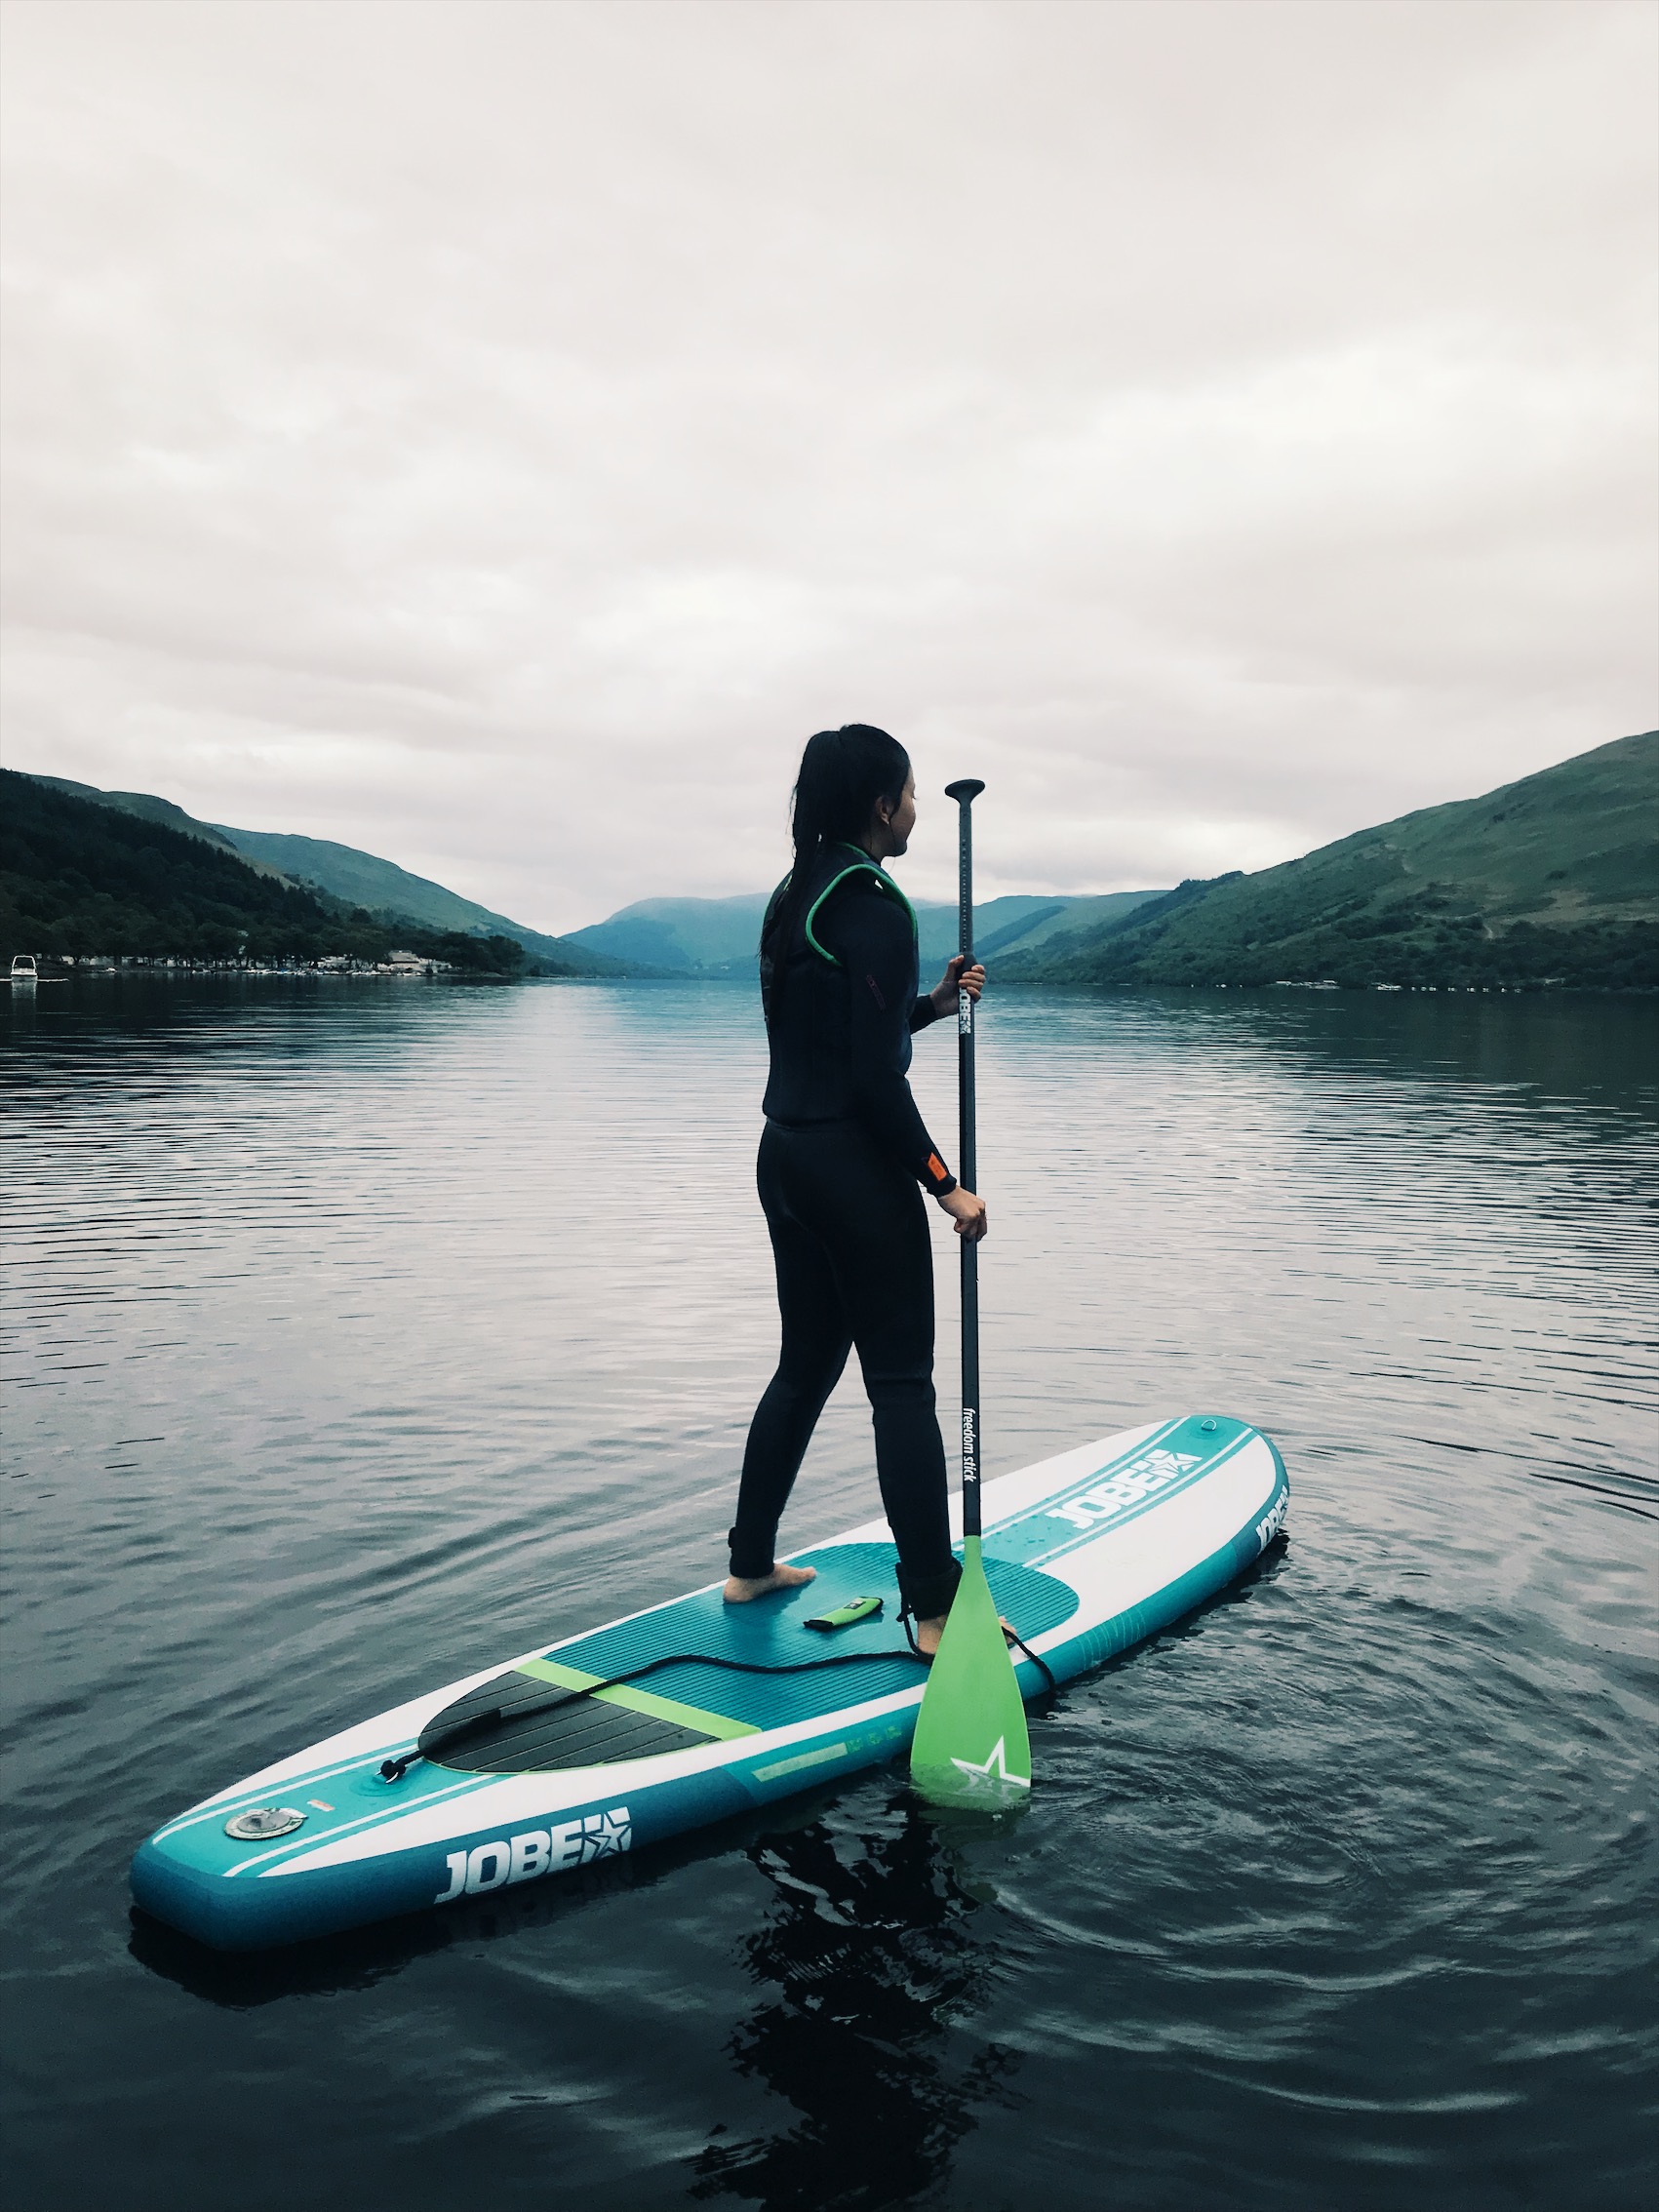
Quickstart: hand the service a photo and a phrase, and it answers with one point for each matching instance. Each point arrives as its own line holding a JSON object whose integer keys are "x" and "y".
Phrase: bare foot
{"x": 740, "y": 1587}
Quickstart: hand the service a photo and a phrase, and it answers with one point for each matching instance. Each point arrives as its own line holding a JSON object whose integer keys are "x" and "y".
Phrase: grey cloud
{"x": 496, "y": 435}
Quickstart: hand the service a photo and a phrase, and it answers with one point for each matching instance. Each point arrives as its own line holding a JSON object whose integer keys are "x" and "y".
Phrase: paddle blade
{"x": 970, "y": 1746}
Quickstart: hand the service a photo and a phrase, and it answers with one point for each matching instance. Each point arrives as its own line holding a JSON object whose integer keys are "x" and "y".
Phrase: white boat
{"x": 23, "y": 969}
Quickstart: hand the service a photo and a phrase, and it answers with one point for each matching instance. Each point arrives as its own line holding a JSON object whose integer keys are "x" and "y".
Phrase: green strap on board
{"x": 971, "y": 1746}
{"x": 849, "y": 1615}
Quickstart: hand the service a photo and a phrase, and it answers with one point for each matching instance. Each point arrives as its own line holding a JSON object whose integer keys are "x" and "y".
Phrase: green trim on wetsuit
{"x": 863, "y": 867}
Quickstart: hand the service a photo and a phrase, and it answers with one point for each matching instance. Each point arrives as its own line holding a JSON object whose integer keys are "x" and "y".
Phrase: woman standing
{"x": 844, "y": 1161}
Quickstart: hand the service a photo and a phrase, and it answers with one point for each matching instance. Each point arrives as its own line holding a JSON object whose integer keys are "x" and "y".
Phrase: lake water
{"x": 360, "y": 1334}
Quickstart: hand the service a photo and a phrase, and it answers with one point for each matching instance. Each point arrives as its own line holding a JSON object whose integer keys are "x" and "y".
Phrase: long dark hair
{"x": 842, "y": 774}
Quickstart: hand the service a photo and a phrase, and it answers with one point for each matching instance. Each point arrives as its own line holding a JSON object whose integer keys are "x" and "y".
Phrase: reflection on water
{"x": 867, "y": 1966}
{"x": 357, "y": 1336}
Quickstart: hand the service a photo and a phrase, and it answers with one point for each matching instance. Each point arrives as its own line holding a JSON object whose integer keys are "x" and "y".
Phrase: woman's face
{"x": 898, "y": 821}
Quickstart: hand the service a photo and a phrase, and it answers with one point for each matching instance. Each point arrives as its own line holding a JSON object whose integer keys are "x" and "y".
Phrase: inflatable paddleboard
{"x": 522, "y": 1772}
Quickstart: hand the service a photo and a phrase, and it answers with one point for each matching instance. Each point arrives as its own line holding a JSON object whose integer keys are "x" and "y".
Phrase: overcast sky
{"x": 497, "y": 434}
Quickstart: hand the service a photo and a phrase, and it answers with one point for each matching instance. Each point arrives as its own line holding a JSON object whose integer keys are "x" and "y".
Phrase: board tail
{"x": 971, "y": 1746}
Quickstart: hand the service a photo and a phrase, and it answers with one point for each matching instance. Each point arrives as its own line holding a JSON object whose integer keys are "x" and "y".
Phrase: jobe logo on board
{"x": 1129, "y": 1486}
{"x": 538, "y": 1851}
{"x": 1271, "y": 1522}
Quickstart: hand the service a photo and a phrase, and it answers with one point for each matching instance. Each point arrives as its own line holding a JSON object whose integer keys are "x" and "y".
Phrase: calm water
{"x": 362, "y": 1335}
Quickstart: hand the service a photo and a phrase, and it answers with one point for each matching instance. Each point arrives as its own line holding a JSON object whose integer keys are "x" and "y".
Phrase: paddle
{"x": 971, "y": 1745}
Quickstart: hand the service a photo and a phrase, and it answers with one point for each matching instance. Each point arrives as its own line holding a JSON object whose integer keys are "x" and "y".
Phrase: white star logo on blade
{"x": 994, "y": 1769}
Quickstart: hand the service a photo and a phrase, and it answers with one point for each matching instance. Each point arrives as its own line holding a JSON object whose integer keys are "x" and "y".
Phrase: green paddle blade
{"x": 970, "y": 1746}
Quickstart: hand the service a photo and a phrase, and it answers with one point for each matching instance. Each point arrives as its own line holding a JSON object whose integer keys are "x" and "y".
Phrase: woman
{"x": 844, "y": 1161}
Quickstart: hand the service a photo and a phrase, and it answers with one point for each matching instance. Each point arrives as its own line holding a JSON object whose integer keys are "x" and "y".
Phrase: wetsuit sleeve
{"x": 871, "y": 936}
{"x": 922, "y": 1012}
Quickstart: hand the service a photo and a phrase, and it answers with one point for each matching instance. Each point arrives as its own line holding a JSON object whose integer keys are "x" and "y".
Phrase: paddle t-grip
{"x": 964, "y": 793}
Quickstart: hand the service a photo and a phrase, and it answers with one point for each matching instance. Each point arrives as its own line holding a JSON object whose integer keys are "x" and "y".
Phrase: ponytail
{"x": 842, "y": 774}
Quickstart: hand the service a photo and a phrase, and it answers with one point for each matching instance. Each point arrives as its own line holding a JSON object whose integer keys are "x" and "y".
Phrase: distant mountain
{"x": 686, "y": 936}
{"x": 718, "y": 936}
{"x": 663, "y": 936}
{"x": 382, "y": 888}
{"x": 344, "y": 877}
{"x": 1554, "y": 878}
{"x": 79, "y": 878}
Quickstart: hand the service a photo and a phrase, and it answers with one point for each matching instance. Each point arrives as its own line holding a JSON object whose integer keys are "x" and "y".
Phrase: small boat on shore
{"x": 25, "y": 974}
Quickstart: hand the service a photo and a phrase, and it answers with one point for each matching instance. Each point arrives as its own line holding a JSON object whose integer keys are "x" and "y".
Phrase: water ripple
{"x": 358, "y": 1335}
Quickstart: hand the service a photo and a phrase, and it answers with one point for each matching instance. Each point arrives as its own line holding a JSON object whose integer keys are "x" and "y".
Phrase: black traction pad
{"x": 588, "y": 1731}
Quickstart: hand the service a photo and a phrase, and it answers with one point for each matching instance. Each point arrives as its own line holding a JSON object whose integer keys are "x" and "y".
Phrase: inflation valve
{"x": 264, "y": 1822}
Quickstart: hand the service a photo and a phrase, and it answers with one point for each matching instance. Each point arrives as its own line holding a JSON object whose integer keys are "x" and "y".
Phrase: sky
{"x": 496, "y": 433}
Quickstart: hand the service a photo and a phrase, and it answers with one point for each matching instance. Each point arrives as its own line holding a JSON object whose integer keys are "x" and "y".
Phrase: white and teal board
{"x": 1086, "y": 1553}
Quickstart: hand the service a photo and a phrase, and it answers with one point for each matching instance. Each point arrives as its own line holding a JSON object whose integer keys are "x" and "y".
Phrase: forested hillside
{"x": 80, "y": 880}
{"x": 384, "y": 890}
{"x": 341, "y": 876}
{"x": 1551, "y": 880}
{"x": 144, "y": 804}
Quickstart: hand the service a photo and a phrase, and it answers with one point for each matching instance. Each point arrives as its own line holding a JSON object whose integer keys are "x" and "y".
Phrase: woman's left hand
{"x": 957, "y": 978}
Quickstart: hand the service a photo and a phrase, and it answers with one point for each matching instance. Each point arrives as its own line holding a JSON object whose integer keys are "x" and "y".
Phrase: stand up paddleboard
{"x": 526, "y": 1771}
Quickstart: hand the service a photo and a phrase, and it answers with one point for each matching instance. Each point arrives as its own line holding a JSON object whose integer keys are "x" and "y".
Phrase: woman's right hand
{"x": 967, "y": 1212}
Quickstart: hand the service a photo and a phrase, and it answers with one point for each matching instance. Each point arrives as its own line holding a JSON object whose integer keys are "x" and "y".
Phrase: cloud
{"x": 496, "y": 435}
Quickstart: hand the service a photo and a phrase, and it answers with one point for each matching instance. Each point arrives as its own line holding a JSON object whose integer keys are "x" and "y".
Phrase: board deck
{"x": 1086, "y": 1553}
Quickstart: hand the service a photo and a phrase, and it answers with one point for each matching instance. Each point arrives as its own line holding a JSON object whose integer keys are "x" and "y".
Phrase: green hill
{"x": 684, "y": 937}
{"x": 79, "y": 879}
{"x": 1022, "y": 920}
{"x": 344, "y": 877}
{"x": 1552, "y": 879}
{"x": 718, "y": 936}
{"x": 382, "y": 888}
{"x": 663, "y": 936}
{"x": 144, "y": 804}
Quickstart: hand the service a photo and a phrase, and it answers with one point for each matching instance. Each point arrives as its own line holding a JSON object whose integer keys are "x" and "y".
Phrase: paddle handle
{"x": 968, "y": 1167}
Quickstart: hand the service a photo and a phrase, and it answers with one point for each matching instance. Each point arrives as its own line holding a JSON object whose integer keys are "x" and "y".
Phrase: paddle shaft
{"x": 968, "y": 1167}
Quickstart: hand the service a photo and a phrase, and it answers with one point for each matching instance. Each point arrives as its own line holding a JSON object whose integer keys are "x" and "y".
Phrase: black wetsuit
{"x": 844, "y": 1161}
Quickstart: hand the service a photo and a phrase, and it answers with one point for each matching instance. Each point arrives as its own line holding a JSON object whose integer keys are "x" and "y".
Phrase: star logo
{"x": 994, "y": 1768}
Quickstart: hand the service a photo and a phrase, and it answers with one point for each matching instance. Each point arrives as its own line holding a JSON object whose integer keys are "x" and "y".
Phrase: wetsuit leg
{"x": 816, "y": 1340}
{"x": 856, "y": 1225}
{"x": 884, "y": 1264}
